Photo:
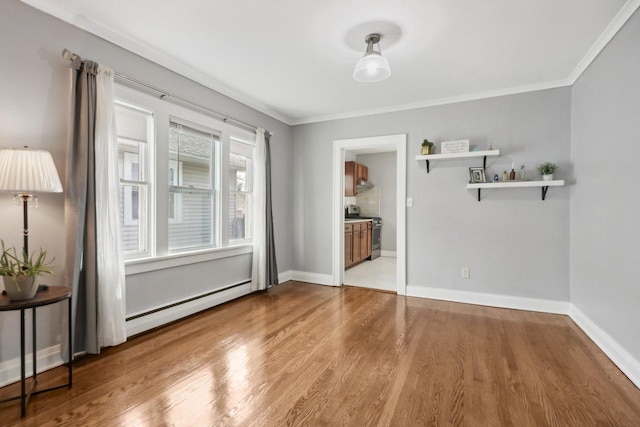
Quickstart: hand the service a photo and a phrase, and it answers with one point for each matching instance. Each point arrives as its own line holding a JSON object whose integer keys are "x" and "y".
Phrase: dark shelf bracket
{"x": 544, "y": 191}
{"x": 427, "y": 160}
{"x": 479, "y": 193}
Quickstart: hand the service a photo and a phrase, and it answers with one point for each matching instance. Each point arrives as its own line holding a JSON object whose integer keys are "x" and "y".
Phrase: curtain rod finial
{"x": 66, "y": 54}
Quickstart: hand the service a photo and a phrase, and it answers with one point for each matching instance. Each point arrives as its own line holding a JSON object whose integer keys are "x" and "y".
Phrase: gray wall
{"x": 34, "y": 111}
{"x": 514, "y": 243}
{"x": 605, "y": 225}
{"x": 382, "y": 173}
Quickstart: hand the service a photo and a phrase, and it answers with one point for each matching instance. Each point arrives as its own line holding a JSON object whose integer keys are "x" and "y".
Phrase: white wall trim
{"x": 601, "y": 42}
{"x": 388, "y": 143}
{"x": 436, "y": 102}
{"x": 154, "y": 55}
{"x": 624, "y": 360}
{"x": 391, "y": 254}
{"x": 317, "y": 278}
{"x": 285, "y": 276}
{"x": 47, "y": 358}
{"x": 162, "y": 317}
{"x": 490, "y": 300}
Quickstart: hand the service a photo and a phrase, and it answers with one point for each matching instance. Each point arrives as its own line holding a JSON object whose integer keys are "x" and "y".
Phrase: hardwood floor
{"x": 304, "y": 354}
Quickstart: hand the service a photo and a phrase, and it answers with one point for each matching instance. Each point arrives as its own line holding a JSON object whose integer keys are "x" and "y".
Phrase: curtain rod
{"x": 68, "y": 55}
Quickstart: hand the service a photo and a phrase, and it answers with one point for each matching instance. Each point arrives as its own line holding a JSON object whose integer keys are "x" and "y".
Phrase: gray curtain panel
{"x": 271, "y": 267}
{"x": 81, "y": 257}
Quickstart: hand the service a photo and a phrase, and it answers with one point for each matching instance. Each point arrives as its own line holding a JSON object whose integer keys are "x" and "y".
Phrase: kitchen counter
{"x": 353, "y": 220}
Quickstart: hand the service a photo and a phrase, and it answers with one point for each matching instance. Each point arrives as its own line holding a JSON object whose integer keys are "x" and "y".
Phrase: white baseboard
{"x": 162, "y": 317}
{"x": 491, "y": 300}
{"x": 284, "y": 276}
{"x": 317, "y": 278}
{"x": 391, "y": 254}
{"x": 628, "y": 364}
{"x": 47, "y": 358}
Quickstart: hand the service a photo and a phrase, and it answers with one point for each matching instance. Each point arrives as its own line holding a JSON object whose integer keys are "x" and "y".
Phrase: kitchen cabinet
{"x": 348, "y": 245}
{"x": 354, "y": 172}
{"x": 357, "y": 242}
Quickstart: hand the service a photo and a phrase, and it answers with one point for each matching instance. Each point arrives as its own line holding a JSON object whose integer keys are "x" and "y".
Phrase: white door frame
{"x": 397, "y": 143}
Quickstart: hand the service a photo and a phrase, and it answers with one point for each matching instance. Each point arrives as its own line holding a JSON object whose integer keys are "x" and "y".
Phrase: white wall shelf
{"x": 483, "y": 154}
{"x": 517, "y": 184}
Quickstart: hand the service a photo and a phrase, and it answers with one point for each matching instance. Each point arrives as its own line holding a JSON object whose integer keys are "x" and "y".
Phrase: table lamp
{"x": 25, "y": 172}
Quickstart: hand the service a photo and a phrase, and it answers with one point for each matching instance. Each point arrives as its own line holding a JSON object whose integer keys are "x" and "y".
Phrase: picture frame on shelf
{"x": 477, "y": 175}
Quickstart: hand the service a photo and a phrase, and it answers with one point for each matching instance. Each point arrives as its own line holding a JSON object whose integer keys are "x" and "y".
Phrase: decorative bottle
{"x": 512, "y": 175}
{"x": 504, "y": 176}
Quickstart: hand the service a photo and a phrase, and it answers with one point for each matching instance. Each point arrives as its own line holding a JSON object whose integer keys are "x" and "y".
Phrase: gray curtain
{"x": 271, "y": 267}
{"x": 80, "y": 213}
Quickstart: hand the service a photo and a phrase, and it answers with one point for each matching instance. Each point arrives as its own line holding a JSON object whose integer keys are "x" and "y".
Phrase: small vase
{"x": 20, "y": 287}
{"x": 548, "y": 177}
{"x": 425, "y": 151}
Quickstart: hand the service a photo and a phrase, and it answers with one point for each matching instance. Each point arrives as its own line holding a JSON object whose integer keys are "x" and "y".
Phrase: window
{"x": 135, "y": 139}
{"x": 174, "y": 161}
{"x": 240, "y": 182}
{"x": 191, "y": 186}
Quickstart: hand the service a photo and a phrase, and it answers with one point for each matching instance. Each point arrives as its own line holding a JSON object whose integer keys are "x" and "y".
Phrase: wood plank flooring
{"x": 303, "y": 354}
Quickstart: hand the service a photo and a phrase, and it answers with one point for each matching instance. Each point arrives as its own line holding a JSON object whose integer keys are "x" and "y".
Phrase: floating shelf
{"x": 517, "y": 184}
{"x": 484, "y": 154}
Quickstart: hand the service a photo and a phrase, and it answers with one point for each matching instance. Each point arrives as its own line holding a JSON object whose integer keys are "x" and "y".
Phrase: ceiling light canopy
{"x": 372, "y": 67}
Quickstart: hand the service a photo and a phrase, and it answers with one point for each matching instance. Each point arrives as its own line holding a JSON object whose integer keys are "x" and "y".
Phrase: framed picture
{"x": 476, "y": 175}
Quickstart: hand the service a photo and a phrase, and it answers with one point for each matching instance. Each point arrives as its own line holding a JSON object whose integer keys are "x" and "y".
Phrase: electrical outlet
{"x": 465, "y": 273}
{"x": 409, "y": 202}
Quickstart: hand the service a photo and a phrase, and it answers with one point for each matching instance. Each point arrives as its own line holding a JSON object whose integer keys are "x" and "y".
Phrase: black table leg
{"x": 22, "y": 365}
{"x": 70, "y": 345}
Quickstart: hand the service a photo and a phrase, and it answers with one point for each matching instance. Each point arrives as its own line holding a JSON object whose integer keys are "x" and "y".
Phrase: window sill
{"x": 138, "y": 266}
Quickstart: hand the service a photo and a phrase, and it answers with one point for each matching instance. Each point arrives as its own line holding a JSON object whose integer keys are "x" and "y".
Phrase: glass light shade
{"x": 28, "y": 171}
{"x": 372, "y": 67}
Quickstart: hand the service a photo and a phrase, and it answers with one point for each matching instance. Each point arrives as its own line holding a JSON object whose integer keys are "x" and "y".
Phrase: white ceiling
{"x": 293, "y": 59}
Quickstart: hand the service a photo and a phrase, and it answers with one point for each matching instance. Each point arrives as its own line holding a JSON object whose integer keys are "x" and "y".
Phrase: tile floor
{"x": 377, "y": 274}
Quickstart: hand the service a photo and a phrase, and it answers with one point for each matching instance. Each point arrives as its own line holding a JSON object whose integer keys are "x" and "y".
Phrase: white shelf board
{"x": 459, "y": 155}
{"x": 516, "y": 184}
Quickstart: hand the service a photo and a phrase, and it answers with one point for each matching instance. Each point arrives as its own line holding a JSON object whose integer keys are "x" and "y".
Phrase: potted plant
{"x": 546, "y": 170}
{"x": 427, "y": 147}
{"x": 19, "y": 273}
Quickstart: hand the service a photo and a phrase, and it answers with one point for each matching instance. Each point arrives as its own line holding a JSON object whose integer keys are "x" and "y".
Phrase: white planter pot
{"x": 20, "y": 287}
{"x": 547, "y": 177}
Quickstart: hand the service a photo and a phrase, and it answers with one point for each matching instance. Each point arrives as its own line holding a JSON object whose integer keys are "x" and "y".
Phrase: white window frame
{"x": 212, "y": 188}
{"x": 158, "y": 255}
{"x": 144, "y": 181}
{"x": 248, "y": 147}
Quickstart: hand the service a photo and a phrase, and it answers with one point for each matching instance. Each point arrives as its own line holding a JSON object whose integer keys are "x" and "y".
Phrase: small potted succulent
{"x": 546, "y": 170}
{"x": 427, "y": 147}
{"x": 19, "y": 272}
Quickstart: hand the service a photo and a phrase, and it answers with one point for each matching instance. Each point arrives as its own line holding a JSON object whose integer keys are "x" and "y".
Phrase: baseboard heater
{"x": 188, "y": 300}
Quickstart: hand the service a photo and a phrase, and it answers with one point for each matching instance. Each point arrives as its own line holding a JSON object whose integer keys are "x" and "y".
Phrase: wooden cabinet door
{"x": 357, "y": 247}
{"x": 369, "y": 237}
{"x": 350, "y": 179}
{"x": 365, "y": 247}
{"x": 348, "y": 245}
{"x": 363, "y": 172}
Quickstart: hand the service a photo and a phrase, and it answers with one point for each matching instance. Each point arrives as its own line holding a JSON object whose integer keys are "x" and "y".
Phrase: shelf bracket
{"x": 544, "y": 191}
{"x": 484, "y": 163}
{"x": 427, "y": 160}
{"x": 479, "y": 194}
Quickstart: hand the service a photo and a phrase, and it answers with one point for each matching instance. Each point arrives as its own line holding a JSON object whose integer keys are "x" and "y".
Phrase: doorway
{"x": 369, "y": 145}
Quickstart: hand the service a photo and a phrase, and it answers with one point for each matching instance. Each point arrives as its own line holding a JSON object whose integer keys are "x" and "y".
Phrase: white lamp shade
{"x": 28, "y": 171}
{"x": 372, "y": 67}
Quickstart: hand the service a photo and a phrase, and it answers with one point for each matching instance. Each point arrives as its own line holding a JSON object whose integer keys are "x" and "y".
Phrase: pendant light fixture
{"x": 372, "y": 67}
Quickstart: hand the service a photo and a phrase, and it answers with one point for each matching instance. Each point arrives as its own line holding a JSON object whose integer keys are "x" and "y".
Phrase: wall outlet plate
{"x": 465, "y": 273}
